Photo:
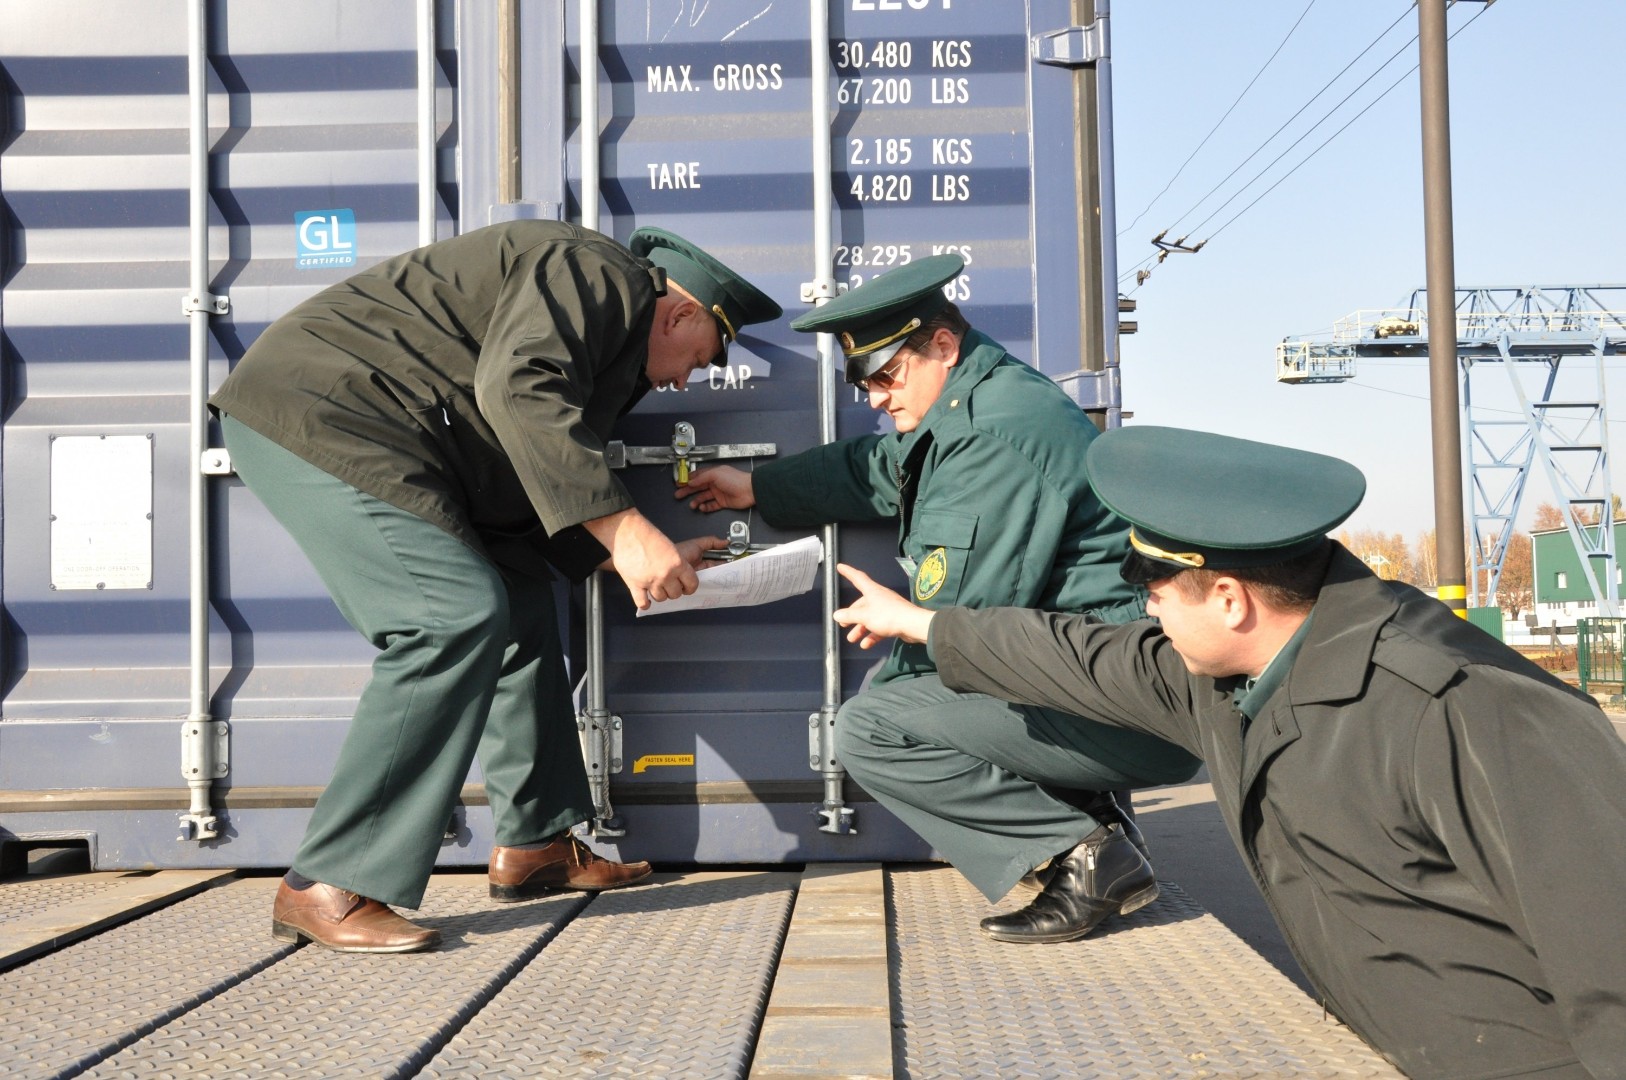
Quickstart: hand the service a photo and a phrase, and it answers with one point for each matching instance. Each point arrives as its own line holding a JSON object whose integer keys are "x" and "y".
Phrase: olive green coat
{"x": 989, "y": 491}
{"x": 1435, "y": 822}
{"x": 472, "y": 382}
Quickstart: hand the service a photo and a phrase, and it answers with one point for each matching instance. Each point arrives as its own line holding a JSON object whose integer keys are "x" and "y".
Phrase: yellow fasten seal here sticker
{"x": 931, "y": 575}
{"x": 648, "y": 760}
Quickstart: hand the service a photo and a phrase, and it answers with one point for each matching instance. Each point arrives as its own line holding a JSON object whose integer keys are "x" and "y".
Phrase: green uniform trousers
{"x": 971, "y": 774}
{"x": 469, "y": 660}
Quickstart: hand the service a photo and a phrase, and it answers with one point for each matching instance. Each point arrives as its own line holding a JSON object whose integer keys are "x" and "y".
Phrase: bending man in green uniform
{"x": 985, "y": 474}
{"x": 431, "y": 433}
{"x": 1387, "y": 771}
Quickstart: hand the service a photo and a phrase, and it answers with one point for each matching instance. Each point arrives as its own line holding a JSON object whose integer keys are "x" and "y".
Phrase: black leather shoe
{"x": 1104, "y": 875}
{"x": 1101, "y": 806}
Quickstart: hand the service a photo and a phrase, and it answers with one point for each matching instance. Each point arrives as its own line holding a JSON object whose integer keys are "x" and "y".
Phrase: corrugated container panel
{"x": 311, "y": 107}
{"x": 705, "y": 129}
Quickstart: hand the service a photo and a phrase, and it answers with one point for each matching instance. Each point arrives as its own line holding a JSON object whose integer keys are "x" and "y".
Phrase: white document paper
{"x": 759, "y": 578}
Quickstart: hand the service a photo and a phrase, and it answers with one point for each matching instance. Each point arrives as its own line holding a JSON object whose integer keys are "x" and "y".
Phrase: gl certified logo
{"x": 325, "y": 238}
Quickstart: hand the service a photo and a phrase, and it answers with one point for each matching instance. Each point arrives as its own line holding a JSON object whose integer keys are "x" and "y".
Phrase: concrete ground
{"x": 1191, "y": 847}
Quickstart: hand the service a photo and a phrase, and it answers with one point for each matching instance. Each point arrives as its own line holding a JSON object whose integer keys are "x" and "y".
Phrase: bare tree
{"x": 1386, "y": 553}
{"x": 1549, "y": 516}
{"x": 1515, "y": 591}
{"x": 1425, "y": 562}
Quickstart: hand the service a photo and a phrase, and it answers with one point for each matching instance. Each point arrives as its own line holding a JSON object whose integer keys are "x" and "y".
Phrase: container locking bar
{"x": 682, "y": 452}
{"x": 601, "y": 730}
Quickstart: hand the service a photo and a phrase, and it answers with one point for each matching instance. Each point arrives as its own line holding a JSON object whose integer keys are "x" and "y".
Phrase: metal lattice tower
{"x": 1550, "y": 342}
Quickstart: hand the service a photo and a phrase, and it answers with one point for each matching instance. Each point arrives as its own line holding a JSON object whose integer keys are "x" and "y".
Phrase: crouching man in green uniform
{"x": 1434, "y": 821}
{"x": 431, "y": 432}
{"x": 985, "y": 474}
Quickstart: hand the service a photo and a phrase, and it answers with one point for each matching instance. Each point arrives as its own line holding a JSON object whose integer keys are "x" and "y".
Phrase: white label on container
{"x": 101, "y": 512}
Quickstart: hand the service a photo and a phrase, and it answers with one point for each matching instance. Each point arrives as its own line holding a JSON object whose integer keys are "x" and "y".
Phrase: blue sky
{"x": 1538, "y": 99}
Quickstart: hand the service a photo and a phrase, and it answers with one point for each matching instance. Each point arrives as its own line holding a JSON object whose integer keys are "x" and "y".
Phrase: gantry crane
{"x": 1533, "y": 333}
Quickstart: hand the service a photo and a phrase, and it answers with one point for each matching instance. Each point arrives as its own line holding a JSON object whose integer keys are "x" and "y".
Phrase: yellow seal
{"x": 931, "y": 575}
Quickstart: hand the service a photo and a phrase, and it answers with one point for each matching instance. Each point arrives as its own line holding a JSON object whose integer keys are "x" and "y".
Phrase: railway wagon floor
{"x": 849, "y": 970}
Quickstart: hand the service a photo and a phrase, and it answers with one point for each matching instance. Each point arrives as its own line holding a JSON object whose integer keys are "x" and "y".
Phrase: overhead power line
{"x": 1316, "y": 97}
{"x": 1306, "y": 159}
{"x": 1141, "y": 270}
{"x": 1221, "y": 120}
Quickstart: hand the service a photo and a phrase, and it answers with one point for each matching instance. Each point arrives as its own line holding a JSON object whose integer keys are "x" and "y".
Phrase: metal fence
{"x": 1599, "y": 645}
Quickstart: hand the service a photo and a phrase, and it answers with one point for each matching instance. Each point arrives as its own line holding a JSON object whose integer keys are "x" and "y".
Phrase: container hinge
{"x": 216, "y": 462}
{"x": 1072, "y": 46}
{"x": 1093, "y": 389}
{"x": 213, "y": 305}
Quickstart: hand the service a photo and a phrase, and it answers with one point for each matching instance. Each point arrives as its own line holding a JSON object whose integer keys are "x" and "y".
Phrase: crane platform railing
{"x": 1523, "y": 331}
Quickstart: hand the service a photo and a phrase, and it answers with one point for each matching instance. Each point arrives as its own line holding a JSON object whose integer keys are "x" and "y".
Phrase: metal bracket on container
{"x": 1072, "y": 46}
{"x": 828, "y": 289}
{"x": 208, "y": 303}
{"x": 1093, "y": 389}
{"x": 216, "y": 462}
{"x": 739, "y": 543}
{"x": 524, "y": 210}
{"x": 601, "y": 750}
{"x": 205, "y": 758}
{"x": 682, "y": 452}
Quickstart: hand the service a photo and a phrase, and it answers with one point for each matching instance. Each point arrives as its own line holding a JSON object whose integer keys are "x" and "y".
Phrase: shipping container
{"x": 174, "y": 177}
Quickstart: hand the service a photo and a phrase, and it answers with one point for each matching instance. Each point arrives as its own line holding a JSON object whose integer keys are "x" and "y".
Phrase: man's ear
{"x": 947, "y": 346}
{"x": 684, "y": 311}
{"x": 1234, "y": 601}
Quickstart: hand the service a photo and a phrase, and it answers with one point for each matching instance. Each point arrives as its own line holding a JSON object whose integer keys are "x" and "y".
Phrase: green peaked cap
{"x": 732, "y": 301}
{"x": 874, "y": 320}
{"x": 1195, "y": 499}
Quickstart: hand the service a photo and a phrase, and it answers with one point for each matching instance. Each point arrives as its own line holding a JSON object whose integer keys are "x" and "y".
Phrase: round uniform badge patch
{"x": 933, "y": 572}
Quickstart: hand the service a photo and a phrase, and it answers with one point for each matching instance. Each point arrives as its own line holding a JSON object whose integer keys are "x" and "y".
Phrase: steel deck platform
{"x": 852, "y": 970}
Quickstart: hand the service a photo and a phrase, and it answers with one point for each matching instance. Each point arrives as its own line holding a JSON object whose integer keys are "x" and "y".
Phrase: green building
{"x": 1563, "y": 590}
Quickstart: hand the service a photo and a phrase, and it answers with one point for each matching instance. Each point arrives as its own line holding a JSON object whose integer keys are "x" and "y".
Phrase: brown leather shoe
{"x": 567, "y": 863}
{"x": 345, "y": 922}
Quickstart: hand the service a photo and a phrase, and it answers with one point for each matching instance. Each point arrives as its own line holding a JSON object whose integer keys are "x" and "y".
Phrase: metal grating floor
{"x": 24, "y": 899}
{"x": 661, "y": 981}
{"x": 1165, "y": 992}
{"x": 671, "y": 979}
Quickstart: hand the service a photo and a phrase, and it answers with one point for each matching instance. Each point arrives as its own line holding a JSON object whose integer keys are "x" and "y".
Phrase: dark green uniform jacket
{"x": 472, "y": 382}
{"x": 990, "y": 493}
{"x": 1438, "y": 825}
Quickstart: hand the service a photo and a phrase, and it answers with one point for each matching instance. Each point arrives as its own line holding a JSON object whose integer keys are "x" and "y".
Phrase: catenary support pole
{"x": 1443, "y": 365}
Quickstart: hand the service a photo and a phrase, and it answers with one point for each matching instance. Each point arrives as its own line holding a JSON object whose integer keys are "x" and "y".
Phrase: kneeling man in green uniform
{"x": 431, "y": 432}
{"x": 1434, "y": 821}
{"x": 985, "y": 475}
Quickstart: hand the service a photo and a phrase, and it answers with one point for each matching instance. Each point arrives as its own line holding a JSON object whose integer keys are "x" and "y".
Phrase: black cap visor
{"x": 1139, "y": 569}
{"x": 862, "y": 367}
